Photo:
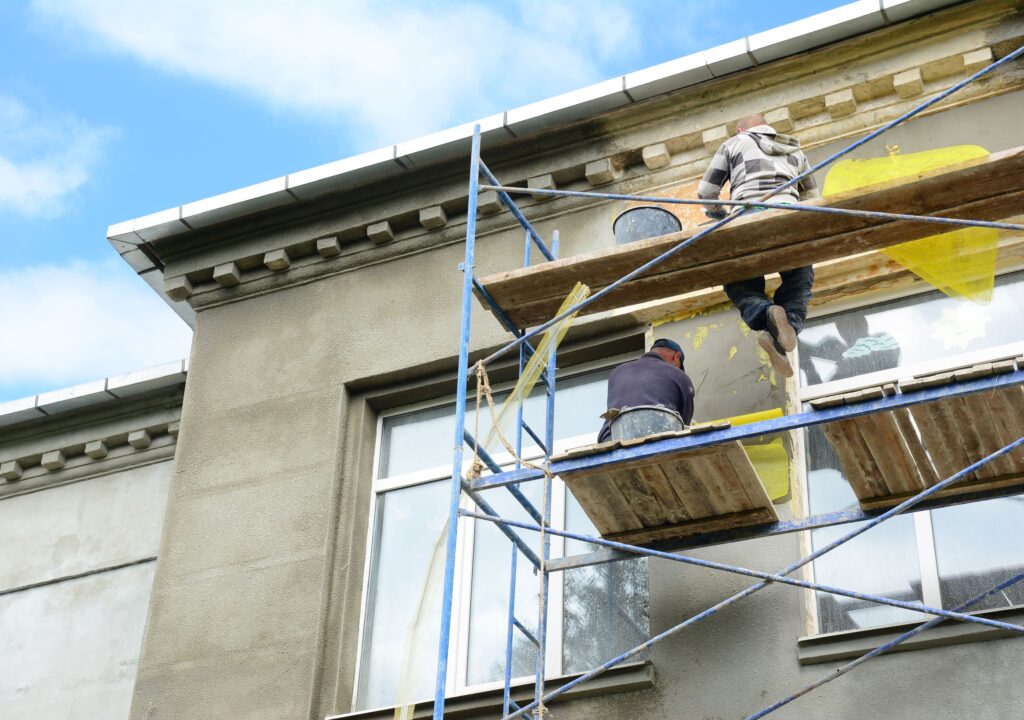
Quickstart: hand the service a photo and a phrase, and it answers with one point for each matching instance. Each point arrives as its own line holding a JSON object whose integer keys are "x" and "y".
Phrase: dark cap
{"x": 671, "y": 345}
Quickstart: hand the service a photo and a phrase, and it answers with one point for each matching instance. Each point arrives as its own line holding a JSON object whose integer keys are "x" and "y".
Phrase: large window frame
{"x": 927, "y": 554}
{"x": 457, "y": 678}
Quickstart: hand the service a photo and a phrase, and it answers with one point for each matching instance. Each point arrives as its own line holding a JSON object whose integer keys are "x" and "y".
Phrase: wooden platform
{"x": 990, "y": 188}
{"x": 672, "y": 495}
{"x": 890, "y": 456}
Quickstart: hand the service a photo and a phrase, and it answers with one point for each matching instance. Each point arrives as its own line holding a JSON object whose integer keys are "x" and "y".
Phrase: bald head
{"x": 750, "y": 121}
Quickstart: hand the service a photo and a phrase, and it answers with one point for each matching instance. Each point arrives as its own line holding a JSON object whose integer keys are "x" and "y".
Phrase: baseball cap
{"x": 671, "y": 345}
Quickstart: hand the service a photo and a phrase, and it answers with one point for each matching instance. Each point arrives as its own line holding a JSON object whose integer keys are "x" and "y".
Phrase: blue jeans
{"x": 793, "y": 295}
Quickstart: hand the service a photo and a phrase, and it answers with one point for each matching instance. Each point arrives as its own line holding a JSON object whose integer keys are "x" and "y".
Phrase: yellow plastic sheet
{"x": 770, "y": 459}
{"x": 534, "y": 367}
{"x": 962, "y": 263}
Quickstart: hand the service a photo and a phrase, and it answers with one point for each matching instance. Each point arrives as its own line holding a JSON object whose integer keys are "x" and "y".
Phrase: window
{"x": 939, "y": 557}
{"x": 595, "y": 613}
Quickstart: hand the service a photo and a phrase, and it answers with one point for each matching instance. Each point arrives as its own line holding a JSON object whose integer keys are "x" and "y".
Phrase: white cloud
{"x": 79, "y": 322}
{"x": 391, "y": 70}
{"x": 43, "y": 159}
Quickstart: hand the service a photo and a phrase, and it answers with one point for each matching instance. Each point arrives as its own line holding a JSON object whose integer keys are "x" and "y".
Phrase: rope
{"x": 483, "y": 390}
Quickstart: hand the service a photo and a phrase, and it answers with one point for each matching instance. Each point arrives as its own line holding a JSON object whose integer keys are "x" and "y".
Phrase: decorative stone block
{"x": 908, "y": 83}
{"x": 139, "y": 439}
{"x": 840, "y": 104}
{"x": 975, "y": 60}
{"x": 10, "y": 470}
{"x": 178, "y": 288}
{"x": 53, "y": 460}
{"x": 656, "y": 156}
{"x": 488, "y": 202}
{"x": 97, "y": 449}
{"x": 328, "y": 247}
{"x": 227, "y": 275}
{"x": 277, "y": 260}
{"x": 779, "y": 119}
{"x": 172, "y": 428}
{"x": 601, "y": 172}
{"x": 433, "y": 217}
{"x": 380, "y": 233}
{"x": 713, "y": 137}
{"x": 542, "y": 182}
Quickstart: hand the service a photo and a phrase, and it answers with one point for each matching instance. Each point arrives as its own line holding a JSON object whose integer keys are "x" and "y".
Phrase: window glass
{"x": 407, "y": 526}
{"x": 492, "y": 557}
{"x": 606, "y": 607}
{"x": 423, "y": 439}
{"x": 978, "y": 546}
{"x": 909, "y": 331}
{"x": 882, "y": 561}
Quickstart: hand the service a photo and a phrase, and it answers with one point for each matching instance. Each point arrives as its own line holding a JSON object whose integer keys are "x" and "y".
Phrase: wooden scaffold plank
{"x": 983, "y": 189}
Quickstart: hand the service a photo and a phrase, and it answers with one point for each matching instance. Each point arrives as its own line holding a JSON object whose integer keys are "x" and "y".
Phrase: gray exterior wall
{"x": 80, "y": 547}
{"x": 255, "y": 604}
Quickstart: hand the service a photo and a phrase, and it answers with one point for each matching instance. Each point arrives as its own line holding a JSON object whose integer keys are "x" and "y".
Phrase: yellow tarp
{"x": 962, "y": 263}
{"x": 770, "y": 460}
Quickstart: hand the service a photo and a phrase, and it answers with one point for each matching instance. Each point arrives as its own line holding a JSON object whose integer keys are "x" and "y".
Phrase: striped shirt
{"x": 755, "y": 162}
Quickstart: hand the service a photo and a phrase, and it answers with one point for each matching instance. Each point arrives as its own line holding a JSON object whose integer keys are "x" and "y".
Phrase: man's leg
{"x": 794, "y": 294}
{"x": 748, "y": 297}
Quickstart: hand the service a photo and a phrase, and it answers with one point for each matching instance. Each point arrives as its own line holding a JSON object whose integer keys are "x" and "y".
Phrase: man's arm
{"x": 710, "y": 187}
{"x": 686, "y": 395}
{"x": 808, "y": 187}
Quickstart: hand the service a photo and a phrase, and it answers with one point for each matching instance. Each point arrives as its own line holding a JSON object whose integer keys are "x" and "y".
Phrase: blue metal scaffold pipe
{"x": 792, "y": 567}
{"x": 840, "y": 671}
{"x": 460, "y": 428}
{"x": 770, "y": 577}
{"x": 710, "y": 229}
{"x": 459, "y": 484}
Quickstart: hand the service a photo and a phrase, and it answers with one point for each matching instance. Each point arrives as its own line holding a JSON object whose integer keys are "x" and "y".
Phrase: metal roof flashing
{"x": 840, "y": 23}
{"x": 93, "y": 393}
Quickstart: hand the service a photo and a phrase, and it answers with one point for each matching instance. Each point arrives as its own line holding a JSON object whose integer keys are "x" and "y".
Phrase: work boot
{"x": 775, "y": 354}
{"x": 781, "y": 330}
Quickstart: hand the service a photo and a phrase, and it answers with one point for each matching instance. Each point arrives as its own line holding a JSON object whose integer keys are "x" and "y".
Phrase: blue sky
{"x": 110, "y": 110}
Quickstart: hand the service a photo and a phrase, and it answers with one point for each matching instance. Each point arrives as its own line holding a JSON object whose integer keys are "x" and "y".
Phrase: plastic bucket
{"x": 644, "y": 222}
{"x": 644, "y": 420}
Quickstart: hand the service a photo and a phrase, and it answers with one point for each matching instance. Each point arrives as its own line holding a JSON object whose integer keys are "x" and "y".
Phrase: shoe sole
{"x": 784, "y": 333}
{"x": 779, "y": 361}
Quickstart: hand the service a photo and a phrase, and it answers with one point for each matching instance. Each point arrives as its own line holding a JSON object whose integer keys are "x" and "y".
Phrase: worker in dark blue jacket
{"x": 655, "y": 378}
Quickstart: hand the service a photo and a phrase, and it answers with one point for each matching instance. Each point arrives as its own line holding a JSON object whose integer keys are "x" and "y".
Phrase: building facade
{"x": 84, "y": 474}
{"x": 303, "y": 507}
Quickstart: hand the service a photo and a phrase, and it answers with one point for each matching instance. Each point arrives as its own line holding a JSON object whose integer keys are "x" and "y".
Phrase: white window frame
{"x": 461, "y": 598}
{"x": 923, "y": 532}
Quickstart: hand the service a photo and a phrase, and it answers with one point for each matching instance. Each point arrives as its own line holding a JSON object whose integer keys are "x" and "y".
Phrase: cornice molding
{"x": 671, "y": 150}
{"x": 102, "y": 455}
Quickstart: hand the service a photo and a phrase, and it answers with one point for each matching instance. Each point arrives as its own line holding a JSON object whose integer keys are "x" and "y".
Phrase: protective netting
{"x": 962, "y": 263}
{"x": 534, "y": 367}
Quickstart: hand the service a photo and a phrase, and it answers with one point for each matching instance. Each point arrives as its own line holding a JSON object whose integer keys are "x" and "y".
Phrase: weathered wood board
{"x": 890, "y": 456}
{"x": 989, "y": 188}
{"x": 673, "y": 495}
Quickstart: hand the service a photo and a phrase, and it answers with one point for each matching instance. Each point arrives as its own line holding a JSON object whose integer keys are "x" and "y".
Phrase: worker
{"x": 655, "y": 378}
{"x": 756, "y": 161}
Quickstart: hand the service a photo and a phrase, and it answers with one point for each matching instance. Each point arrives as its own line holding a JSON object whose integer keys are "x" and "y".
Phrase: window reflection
{"x": 423, "y": 439}
{"x": 978, "y": 546}
{"x": 974, "y": 545}
{"x": 606, "y": 610}
{"x": 882, "y": 561}
{"x": 906, "y": 332}
{"x": 598, "y": 601}
{"x": 488, "y": 619}
{"x": 407, "y": 526}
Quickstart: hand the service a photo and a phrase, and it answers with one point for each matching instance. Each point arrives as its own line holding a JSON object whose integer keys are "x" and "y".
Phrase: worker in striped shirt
{"x": 756, "y": 161}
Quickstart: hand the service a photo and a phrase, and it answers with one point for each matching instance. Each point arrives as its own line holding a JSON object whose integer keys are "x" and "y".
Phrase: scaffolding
{"x": 611, "y": 550}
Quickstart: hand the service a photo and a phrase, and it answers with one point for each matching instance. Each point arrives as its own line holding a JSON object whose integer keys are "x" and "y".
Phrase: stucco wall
{"x": 255, "y": 602}
{"x": 75, "y": 578}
